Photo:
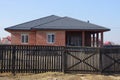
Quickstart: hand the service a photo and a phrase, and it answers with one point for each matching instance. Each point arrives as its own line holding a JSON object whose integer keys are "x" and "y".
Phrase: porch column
{"x": 101, "y": 39}
{"x": 97, "y": 39}
{"x": 83, "y": 38}
{"x": 93, "y": 39}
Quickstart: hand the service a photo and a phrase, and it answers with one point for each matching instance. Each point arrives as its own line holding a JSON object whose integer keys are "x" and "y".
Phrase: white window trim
{"x": 23, "y": 34}
{"x": 50, "y": 33}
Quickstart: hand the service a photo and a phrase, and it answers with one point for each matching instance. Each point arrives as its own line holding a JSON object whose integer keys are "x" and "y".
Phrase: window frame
{"x": 52, "y": 40}
{"x": 23, "y": 40}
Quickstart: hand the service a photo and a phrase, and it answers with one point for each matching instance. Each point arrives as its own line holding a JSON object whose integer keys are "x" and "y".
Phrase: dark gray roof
{"x": 57, "y": 23}
{"x": 31, "y": 24}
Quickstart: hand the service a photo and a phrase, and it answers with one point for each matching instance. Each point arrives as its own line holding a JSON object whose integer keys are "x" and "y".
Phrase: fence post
{"x": 64, "y": 60}
{"x": 2, "y": 48}
{"x": 100, "y": 64}
{"x": 63, "y": 57}
{"x": 13, "y": 59}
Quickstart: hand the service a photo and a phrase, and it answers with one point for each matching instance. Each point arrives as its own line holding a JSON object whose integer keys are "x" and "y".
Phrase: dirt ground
{"x": 57, "y": 76}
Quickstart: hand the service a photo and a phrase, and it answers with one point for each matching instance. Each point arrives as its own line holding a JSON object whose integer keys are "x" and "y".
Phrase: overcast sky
{"x": 101, "y": 12}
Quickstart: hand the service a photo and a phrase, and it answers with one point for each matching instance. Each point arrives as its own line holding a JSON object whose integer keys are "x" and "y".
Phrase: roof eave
{"x": 104, "y": 30}
{"x": 10, "y": 30}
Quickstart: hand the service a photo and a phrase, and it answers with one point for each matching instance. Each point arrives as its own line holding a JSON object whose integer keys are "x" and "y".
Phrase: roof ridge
{"x": 49, "y": 22}
{"x": 31, "y": 21}
{"x": 85, "y": 22}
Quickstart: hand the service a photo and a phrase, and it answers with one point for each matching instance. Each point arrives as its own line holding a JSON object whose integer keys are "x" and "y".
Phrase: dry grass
{"x": 57, "y": 76}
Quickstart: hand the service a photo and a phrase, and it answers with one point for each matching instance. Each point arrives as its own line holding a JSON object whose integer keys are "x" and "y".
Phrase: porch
{"x": 84, "y": 38}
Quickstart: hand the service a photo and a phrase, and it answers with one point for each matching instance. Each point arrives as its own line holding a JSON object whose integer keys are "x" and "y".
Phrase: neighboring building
{"x": 57, "y": 31}
{"x": 109, "y": 43}
{"x": 6, "y": 40}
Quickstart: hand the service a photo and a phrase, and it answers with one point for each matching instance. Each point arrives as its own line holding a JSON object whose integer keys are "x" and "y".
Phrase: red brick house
{"x": 57, "y": 31}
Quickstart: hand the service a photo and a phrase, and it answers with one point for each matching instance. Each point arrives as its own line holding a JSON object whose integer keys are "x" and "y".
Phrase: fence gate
{"x": 110, "y": 60}
{"x": 82, "y": 59}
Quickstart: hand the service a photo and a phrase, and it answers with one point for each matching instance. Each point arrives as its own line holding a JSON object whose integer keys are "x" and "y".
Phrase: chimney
{"x": 88, "y": 21}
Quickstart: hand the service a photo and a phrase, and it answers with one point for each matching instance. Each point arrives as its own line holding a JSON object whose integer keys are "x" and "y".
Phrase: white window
{"x": 24, "y": 38}
{"x": 50, "y": 37}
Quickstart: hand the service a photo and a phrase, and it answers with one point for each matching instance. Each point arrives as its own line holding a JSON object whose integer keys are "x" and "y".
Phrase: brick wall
{"x": 38, "y": 37}
{"x": 42, "y": 38}
{"x": 16, "y": 37}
